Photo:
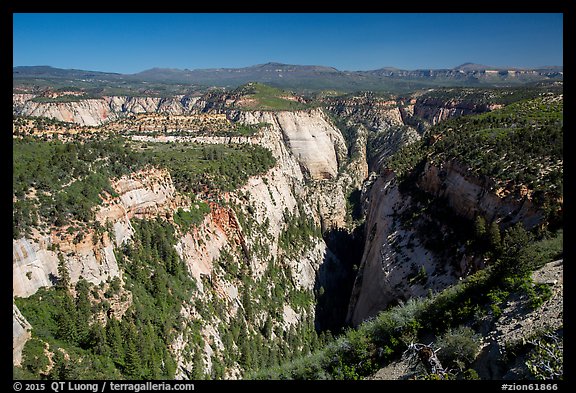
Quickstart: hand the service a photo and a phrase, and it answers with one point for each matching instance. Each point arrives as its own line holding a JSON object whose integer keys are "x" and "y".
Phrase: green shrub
{"x": 546, "y": 360}
{"x": 34, "y": 358}
{"x": 458, "y": 347}
{"x": 186, "y": 219}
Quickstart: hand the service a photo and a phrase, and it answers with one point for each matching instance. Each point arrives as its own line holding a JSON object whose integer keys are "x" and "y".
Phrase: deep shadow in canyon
{"x": 335, "y": 277}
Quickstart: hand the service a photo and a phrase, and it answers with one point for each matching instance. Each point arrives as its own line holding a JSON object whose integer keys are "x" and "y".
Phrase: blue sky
{"x": 129, "y": 43}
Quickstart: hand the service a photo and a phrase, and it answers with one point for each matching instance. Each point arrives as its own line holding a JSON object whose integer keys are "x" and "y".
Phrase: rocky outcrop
{"x": 35, "y": 259}
{"x": 96, "y": 111}
{"x": 89, "y": 112}
{"x": 469, "y": 195}
{"x": 312, "y": 140}
{"x": 219, "y": 228}
{"x": 381, "y": 122}
{"x": 518, "y": 322}
{"x": 434, "y": 110}
{"x": 303, "y": 142}
{"x": 374, "y": 112}
{"x": 18, "y": 101}
{"x": 20, "y": 334}
{"x": 305, "y": 268}
{"x": 147, "y": 192}
{"x": 394, "y": 258}
{"x": 395, "y": 265}
{"x": 385, "y": 144}
{"x": 316, "y": 144}
{"x": 33, "y": 265}
{"x": 309, "y": 150}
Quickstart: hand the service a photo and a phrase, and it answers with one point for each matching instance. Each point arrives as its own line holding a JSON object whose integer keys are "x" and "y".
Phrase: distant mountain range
{"x": 310, "y": 77}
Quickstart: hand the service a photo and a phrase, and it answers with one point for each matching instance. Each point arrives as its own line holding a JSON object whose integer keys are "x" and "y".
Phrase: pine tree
{"x": 273, "y": 359}
{"x": 34, "y": 358}
{"x": 479, "y": 227}
{"x": 67, "y": 320}
{"x": 115, "y": 341}
{"x": 267, "y": 330}
{"x": 98, "y": 340}
{"x": 151, "y": 355}
{"x": 494, "y": 238}
{"x": 198, "y": 365}
{"x": 217, "y": 368}
{"x": 133, "y": 365}
{"x": 246, "y": 355}
{"x": 247, "y": 302}
{"x": 169, "y": 365}
{"x": 63, "y": 274}
{"x": 83, "y": 312}
{"x": 517, "y": 257}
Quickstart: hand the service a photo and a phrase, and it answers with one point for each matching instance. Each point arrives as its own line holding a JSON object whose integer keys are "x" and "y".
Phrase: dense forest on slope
{"x": 81, "y": 329}
{"x": 91, "y": 342}
{"x": 58, "y": 183}
{"x": 55, "y": 183}
{"x": 520, "y": 145}
{"x": 196, "y": 168}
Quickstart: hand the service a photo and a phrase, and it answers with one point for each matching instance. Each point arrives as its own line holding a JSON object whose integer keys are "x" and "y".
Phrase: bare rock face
{"x": 90, "y": 112}
{"x": 391, "y": 141}
{"x": 306, "y": 145}
{"x": 33, "y": 266}
{"x": 93, "y": 262}
{"x": 305, "y": 268}
{"x": 203, "y": 244}
{"x": 35, "y": 259}
{"x": 296, "y": 182}
{"x": 469, "y": 195}
{"x": 311, "y": 140}
{"x": 18, "y": 101}
{"x": 435, "y": 110}
{"x": 20, "y": 334}
{"x": 146, "y": 192}
{"x": 385, "y": 120}
{"x": 309, "y": 151}
{"x": 395, "y": 265}
{"x": 96, "y": 111}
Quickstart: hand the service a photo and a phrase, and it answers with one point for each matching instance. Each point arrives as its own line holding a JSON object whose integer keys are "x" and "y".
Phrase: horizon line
{"x": 487, "y": 67}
